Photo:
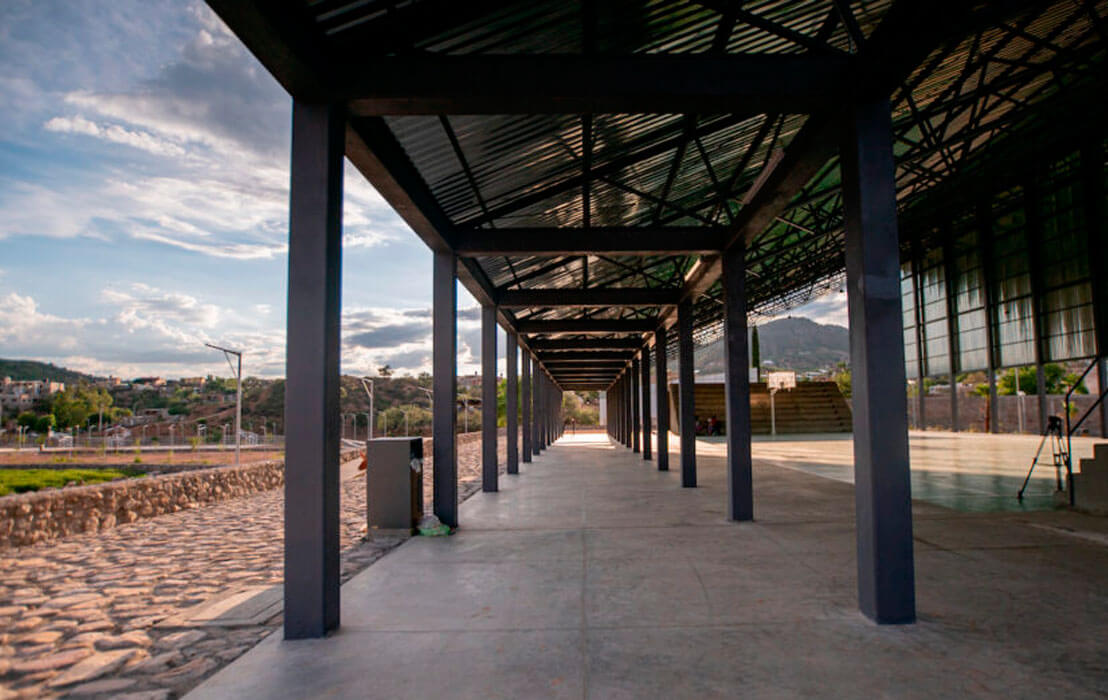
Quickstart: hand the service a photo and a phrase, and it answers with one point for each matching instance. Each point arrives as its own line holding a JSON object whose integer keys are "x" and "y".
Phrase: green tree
{"x": 842, "y": 378}
{"x": 44, "y": 423}
{"x": 385, "y": 371}
{"x": 1055, "y": 379}
{"x": 26, "y": 419}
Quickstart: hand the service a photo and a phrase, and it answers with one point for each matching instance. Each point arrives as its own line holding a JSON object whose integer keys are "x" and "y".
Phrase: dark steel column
{"x": 490, "y": 470}
{"x": 645, "y": 383}
{"x": 740, "y": 487}
{"x": 540, "y": 409}
{"x": 634, "y": 377}
{"x": 511, "y": 402}
{"x": 1034, "y": 219}
{"x": 687, "y": 380}
{"x": 1092, "y": 170}
{"x": 886, "y": 578}
{"x": 661, "y": 386}
{"x": 526, "y": 420}
{"x": 312, "y": 357}
{"x": 444, "y": 413}
{"x": 951, "y": 326}
{"x": 536, "y": 413}
{"x": 985, "y": 251}
{"x": 921, "y": 341}
{"x": 629, "y": 412}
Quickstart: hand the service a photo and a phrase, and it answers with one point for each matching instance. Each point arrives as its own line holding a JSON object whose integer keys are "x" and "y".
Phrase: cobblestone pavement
{"x": 78, "y": 615}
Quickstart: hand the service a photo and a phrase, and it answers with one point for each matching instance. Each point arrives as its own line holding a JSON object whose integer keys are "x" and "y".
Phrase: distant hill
{"x": 25, "y": 370}
{"x": 790, "y": 343}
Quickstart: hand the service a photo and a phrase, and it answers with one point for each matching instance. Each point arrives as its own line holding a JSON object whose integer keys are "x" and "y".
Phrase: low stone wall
{"x": 52, "y": 513}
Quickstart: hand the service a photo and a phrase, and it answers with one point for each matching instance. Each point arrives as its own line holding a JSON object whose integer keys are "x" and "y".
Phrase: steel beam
{"x": 511, "y": 401}
{"x": 592, "y": 297}
{"x": 740, "y": 488}
{"x": 687, "y": 381}
{"x": 661, "y": 387}
{"x": 527, "y": 424}
{"x": 645, "y": 384}
{"x": 641, "y": 241}
{"x": 444, "y": 417}
{"x": 754, "y": 83}
{"x": 589, "y": 325}
{"x": 490, "y": 470}
{"x": 542, "y": 345}
{"x": 312, "y": 418}
{"x": 886, "y": 579}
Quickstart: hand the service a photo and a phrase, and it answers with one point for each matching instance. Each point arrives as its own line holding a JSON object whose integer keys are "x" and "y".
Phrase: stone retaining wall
{"x": 51, "y": 513}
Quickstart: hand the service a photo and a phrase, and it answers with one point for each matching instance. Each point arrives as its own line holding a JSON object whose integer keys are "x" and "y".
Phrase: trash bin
{"x": 394, "y": 485}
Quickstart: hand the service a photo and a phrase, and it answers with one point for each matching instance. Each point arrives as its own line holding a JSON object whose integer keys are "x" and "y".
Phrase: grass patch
{"x": 24, "y": 480}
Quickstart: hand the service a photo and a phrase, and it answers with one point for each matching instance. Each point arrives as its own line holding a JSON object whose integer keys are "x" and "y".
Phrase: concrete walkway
{"x": 592, "y": 575}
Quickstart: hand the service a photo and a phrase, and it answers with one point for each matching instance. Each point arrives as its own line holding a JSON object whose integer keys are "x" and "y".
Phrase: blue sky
{"x": 143, "y": 204}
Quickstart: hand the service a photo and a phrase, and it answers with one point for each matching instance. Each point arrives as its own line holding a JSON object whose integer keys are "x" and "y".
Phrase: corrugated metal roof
{"x": 529, "y": 170}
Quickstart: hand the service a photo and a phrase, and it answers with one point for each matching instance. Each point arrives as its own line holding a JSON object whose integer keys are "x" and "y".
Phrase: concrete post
{"x": 886, "y": 577}
{"x": 444, "y": 415}
{"x": 740, "y": 489}
{"x": 312, "y": 357}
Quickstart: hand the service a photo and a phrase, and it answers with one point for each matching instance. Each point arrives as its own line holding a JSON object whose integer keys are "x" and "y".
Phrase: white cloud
{"x": 115, "y": 134}
{"x": 143, "y": 330}
{"x": 208, "y": 172}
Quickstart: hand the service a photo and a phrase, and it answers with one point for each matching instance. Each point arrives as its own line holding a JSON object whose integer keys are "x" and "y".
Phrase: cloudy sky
{"x": 143, "y": 204}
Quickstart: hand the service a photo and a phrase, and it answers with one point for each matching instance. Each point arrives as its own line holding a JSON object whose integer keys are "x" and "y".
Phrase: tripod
{"x": 1058, "y": 451}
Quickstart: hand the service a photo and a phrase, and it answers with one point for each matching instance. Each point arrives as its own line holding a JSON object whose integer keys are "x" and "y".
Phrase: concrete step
{"x": 1090, "y": 495}
{"x": 1100, "y": 452}
{"x": 1094, "y": 469}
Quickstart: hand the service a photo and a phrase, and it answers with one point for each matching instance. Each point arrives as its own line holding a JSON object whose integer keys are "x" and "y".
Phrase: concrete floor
{"x": 592, "y": 575}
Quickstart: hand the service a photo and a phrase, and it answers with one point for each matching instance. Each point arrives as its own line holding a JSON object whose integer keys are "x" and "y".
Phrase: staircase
{"x": 1090, "y": 483}
{"x": 812, "y": 407}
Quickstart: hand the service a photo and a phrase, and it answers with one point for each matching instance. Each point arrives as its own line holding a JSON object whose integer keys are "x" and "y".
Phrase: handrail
{"x": 1071, "y": 430}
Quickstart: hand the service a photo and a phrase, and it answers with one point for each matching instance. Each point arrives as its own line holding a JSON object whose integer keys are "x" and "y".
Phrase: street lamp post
{"x": 171, "y": 443}
{"x": 238, "y": 392}
{"x": 367, "y": 384}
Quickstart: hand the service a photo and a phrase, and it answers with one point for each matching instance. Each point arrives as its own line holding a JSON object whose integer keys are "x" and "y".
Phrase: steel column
{"x": 511, "y": 402}
{"x": 661, "y": 387}
{"x": 1034, "y": 219}
{"x": 1092, "y": 171}
{"x": 921, "y": 342}
{"x": 525, "y": 419}
{"x": 886, "y": 578}
{"x": 686, "y": 379}
{"x": 951, "y": 326}
{"x": 635, "y": 432}
{"x": 444, "y": 414}
{"x": 740, "y": 487}
{"x": 536, "y": 419}
{"x": 985, "y": 248}
{"x": 490, "y": 470}
{"x": 645, "y": 384}
{"x": 629, "y": 413}
{"x": 312, "y": 358}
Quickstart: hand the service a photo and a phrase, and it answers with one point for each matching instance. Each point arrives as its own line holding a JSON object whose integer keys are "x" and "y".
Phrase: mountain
{"x": 26, "y": 370}
{"x": 789, "y": 343}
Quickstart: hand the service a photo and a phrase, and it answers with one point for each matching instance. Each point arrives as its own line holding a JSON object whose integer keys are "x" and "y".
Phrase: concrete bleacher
{"x": 811, "y": 407}
{"x": 1090, "y": 484}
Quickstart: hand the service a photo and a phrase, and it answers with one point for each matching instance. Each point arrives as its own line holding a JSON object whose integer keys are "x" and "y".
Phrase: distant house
{"x": 197, "y": 382}
{"x": 148, "y": 382}
{"x": 20, "y": 395}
